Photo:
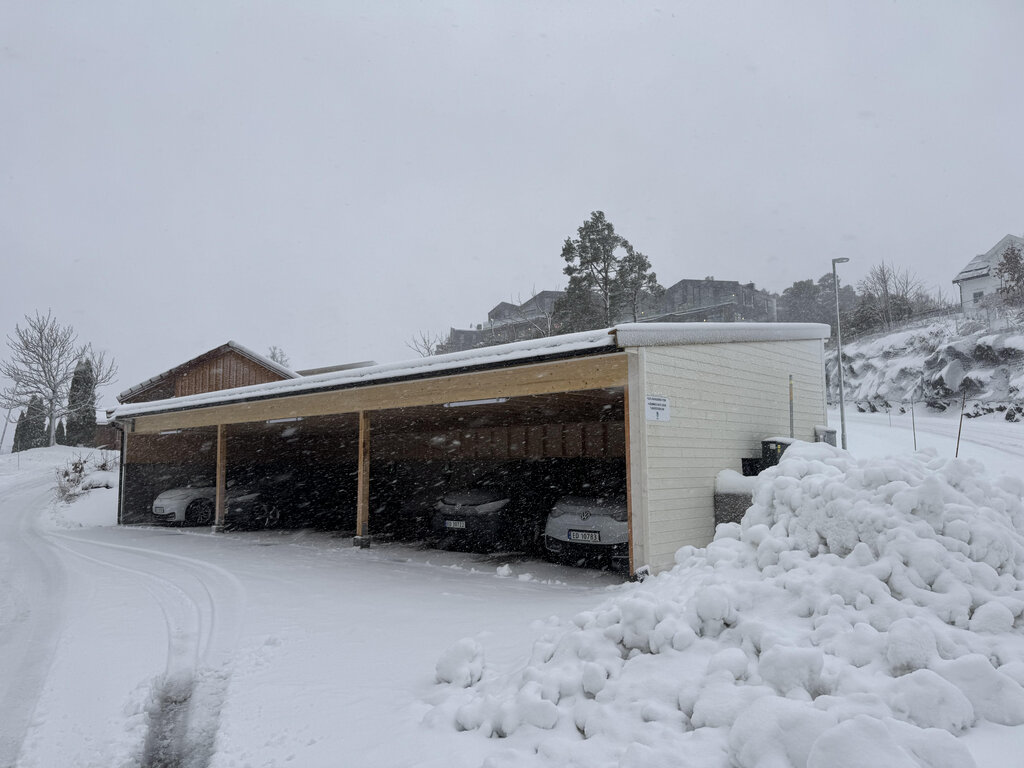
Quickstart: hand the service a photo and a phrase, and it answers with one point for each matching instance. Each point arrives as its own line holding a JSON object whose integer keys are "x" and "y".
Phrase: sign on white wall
{"x": 657, "y": 408}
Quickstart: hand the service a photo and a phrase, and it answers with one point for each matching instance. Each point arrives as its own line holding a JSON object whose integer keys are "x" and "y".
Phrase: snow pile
{"x": 863, "y": 613}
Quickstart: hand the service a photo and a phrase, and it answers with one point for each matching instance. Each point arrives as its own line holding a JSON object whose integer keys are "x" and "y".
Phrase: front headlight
{"x": 557, "y": 511}
{"x": 620, "y": 514}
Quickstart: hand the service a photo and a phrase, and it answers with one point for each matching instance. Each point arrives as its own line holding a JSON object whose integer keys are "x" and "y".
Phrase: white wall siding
{"x": 987, "y": 284}
{"x": 723, "y": 399}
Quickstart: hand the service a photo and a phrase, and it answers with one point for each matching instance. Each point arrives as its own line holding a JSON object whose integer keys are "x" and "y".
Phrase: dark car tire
{"x": 199, "y": 512}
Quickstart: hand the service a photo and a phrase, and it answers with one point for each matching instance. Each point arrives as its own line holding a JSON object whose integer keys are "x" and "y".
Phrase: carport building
{"x": 672, "y": 404}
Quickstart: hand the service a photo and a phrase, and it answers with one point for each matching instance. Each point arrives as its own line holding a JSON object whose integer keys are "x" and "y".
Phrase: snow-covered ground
{"x": 868, "y": 612}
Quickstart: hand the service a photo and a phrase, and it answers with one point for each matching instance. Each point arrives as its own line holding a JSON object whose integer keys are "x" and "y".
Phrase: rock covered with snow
{"x": 936, "y": 363}
{"x": 863, "y": 613}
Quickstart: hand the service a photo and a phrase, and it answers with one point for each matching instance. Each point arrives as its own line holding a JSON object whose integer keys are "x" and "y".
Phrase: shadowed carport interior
{"x": 415, "y": 452}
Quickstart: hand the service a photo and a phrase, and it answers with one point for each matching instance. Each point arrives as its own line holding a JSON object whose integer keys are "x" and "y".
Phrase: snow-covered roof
{"x": 983, "y": 264}
{"x": 586, "y": 342}
{"x": 266, "y": 362}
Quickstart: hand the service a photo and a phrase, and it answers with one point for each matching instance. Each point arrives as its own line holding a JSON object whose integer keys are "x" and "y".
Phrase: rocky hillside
{"x": 938, "y": 365}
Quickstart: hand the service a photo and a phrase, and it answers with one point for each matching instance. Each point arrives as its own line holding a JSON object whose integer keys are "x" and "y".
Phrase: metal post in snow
{"x": 791, "y": 431}
{"x": 7, "y": 420}
{"x": 839, "y": 350}
{"x": 960, "y": 429}
{"x": 913, "y": 422}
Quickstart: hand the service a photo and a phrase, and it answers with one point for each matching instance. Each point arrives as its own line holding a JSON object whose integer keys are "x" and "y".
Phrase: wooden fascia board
{"x": 581, "y": 373}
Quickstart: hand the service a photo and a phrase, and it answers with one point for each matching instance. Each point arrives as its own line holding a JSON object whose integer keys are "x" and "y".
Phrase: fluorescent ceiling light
{"x": 487, "y": 401}
{"x": 284, "y": 421}
{"x": 171, "y": 432}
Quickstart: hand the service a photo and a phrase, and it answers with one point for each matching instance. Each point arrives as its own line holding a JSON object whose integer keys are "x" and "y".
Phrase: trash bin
{"x": 825, "y": 435}
{"x": 773, "y": 448}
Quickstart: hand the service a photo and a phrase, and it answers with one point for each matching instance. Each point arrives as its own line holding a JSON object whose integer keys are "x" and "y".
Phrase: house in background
{"x": 225, "y": 367}
{"x": 508, "y": 322}
{"x": 711, "y": 300}
{"x": 977, "y": 281}
{"x": 687, "y": 301}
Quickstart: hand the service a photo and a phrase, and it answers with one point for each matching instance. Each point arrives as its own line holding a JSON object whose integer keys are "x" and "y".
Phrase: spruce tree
{"x": 1010, "y": 272}
{"x": 34, "y": 434}
{"x": 19, "y": 434}
{"x": 61, "y": 434}
{"x": 81, "y": 427}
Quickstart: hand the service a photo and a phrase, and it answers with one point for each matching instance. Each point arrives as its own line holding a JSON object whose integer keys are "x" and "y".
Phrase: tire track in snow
{"x": 202, "y": 625}
{"x": 34, "y": 586}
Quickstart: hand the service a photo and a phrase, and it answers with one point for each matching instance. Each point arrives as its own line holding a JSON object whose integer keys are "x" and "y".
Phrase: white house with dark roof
{"x": 978, "y": 280}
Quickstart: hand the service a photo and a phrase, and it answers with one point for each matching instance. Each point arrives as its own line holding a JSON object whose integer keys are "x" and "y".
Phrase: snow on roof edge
{"x": 663, "y": 334}
{"x": 520, "y": 350}
{"x": 626, "y": 335}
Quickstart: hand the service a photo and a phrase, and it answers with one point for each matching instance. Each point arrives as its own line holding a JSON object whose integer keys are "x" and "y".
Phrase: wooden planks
{"x": 363, "y": 488}
{"x": 539, "y": 378}
{"x": 222, "y": 470}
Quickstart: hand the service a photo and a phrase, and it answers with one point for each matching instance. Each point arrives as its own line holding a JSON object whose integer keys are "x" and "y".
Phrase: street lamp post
{"x": 839, "y": 350}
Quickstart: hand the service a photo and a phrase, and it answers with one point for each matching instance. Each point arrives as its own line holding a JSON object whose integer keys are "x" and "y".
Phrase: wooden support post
{"x": 222, "y": 473}
{"x": 122, "y": 483}
{"x": 363, "y": 495}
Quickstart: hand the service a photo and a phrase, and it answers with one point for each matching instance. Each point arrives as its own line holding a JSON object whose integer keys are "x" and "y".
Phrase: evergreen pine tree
{"x": 34, "y": 434}
{"x": 19, "y": 434}
{"x": 81, "y": 427}
{"x": 61, "y": 434}
{"x": 1010, "y": 272}
{"x": 603, "y": 285}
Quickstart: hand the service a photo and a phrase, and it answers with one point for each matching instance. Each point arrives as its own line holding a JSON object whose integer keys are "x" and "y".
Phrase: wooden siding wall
{"x": 190, "y": 447}
{"x": 724, "y": 399}
{"x": 159, "y": 391}
{"x": 587, "y": 440}
{"x": 223, "y": 372}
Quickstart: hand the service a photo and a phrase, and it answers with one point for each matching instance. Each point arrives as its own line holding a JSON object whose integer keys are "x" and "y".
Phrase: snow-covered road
{"x": 138, "y": 647}
{"x": 288, "y": 647}
{"x": 990, "y": 439}
{"x": 32, "y": 596}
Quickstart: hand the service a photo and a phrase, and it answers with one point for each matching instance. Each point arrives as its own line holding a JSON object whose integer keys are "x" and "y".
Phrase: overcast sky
{"x": 332, "y": 177}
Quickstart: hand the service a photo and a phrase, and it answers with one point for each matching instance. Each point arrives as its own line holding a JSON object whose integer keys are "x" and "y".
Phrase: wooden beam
{"x": 222, "y": 472}
{"x": 363, "y": 492}
{"x": 572, "y": 375}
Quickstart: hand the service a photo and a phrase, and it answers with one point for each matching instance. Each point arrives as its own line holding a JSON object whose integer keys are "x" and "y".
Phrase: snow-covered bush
{"x": 863, "y": 613}
{"x": 83, "y": 473}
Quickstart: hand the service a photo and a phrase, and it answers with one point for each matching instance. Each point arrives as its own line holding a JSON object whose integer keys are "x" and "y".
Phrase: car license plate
{"x": 454, "y": 523}
{"x": 589, "y": 537}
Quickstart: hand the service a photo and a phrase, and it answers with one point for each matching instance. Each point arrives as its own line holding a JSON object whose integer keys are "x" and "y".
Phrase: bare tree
{"x": 539, "y": 318}
{"x": 424, "y": 343}
{"x": 104, "y": 371}
{"x": 888, "y": 294}
{"x": 278, "y": 356}
{"x": 43, "y": 358}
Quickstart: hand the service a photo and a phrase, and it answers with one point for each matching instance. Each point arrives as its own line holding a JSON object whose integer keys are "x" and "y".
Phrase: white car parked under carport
{"x": 588, "y": 530}
{"x": 192, "y": 505}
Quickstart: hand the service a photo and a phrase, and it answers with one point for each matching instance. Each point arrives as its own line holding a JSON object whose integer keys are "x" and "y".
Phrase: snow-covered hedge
{"x": 863, "y": 613}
